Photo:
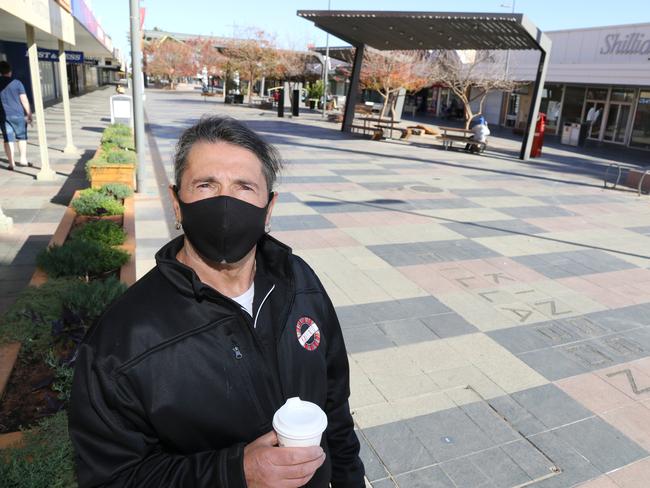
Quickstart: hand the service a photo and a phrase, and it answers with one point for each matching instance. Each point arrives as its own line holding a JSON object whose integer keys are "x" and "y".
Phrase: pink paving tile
{"x": 609, "y": 298}
{"x": 315, "y": 239}
{"x": 407, "y": 194}
{"x": 633, "y": 420}
{"x": 428, "y": 277}
{"x": 597, "y": 209}
{"x": 618, "y": 278}
{"x": 594, "y": 393}
{"x": 601, "y": 482}
{"x": 516, "y": 270}
{"x": 636, "y": 475}
{"x": 628, "y": 378}
{"x": 316, "y": 187}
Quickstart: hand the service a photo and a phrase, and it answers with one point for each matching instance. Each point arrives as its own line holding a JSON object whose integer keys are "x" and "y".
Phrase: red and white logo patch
{"x": 308, "y": 333}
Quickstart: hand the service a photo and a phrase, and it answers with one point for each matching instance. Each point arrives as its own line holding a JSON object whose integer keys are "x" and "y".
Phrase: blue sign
{"x": 52, "y": 55}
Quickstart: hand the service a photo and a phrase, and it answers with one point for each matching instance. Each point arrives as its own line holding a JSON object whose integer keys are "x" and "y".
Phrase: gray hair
{"x": 226, "y": 129}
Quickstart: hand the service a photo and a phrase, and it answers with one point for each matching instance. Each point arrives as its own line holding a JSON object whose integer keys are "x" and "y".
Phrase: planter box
{"x": 112, "y": 173}
{"x": 71, "y": 219}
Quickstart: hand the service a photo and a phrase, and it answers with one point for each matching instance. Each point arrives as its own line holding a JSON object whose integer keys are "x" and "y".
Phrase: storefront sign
{"x": 65, "y": 4}
{"x": 634, "y": 43}
{"x": 85, "y": 16}
{"x": 52, "y": 55}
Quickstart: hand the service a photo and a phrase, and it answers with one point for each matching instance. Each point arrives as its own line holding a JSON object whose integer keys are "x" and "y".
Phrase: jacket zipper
{"x": 249, "y": 384}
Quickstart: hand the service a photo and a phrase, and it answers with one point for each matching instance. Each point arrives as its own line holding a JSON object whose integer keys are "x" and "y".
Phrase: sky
{"x": 278, "y": 17}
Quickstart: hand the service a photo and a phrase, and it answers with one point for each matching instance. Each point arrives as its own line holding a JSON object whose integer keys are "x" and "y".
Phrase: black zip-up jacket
{"x": 175, "y": 380}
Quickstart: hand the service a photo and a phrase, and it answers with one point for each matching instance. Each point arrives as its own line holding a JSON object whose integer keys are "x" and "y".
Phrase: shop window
{"x": 574, "y": 97}
{"x": 597, "y": 94}
{"x": 623, "y": 95}
{"x": 641, "y": 127}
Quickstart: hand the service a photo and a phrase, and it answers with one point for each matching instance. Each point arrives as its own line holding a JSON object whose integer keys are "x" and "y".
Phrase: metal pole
{"x": 63, "y": 77}
{"x": 535, "y": 102}
{"x": 137, "y": 91}
{"x": 325, "y": 65}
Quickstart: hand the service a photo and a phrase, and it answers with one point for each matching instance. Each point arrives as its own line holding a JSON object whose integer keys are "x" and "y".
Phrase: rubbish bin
{"x": 295, "y": 103}
{"x": 238, "y": 98}
{"x": 281, "y": 103}
{"x": 538, "y": 140}
{"x": 229, "y": 99}
{"x": 584, "y": 131}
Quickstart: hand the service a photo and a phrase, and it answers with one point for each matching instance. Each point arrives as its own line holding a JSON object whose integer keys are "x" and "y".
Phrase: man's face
{"x": 221, "y": 168}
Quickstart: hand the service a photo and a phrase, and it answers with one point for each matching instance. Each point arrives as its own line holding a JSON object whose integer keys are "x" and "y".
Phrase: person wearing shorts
{"x": 15, "y": 113}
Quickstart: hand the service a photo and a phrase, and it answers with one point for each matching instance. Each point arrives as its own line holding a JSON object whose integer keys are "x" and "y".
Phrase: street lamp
{"x": 325, "y": 66}
{"x": 512, "y": 6}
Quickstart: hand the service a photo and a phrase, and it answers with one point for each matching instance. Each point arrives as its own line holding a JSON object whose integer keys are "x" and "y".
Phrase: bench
{"x": 448, "y": 142}
{"x": 428, "y": 130}
{"x": 635, "y": 178}
{"x": 404, "y": 131}
{"x": 376, "y": 132}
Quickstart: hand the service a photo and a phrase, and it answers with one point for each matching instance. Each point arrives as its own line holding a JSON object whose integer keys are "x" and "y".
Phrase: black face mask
{"x": 223, "y": 228}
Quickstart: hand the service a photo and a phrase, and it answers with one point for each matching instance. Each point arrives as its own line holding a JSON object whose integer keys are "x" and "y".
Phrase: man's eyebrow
{"x": 242, "y": 181}
{"x": 203, "y": 179}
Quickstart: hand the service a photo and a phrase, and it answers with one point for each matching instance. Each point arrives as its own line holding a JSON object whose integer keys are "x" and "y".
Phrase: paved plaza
{"x": 496, "y": 312}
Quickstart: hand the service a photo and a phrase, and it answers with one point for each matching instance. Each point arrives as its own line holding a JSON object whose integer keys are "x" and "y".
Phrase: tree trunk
{"x": 385, "y": 105}
{"x": 468, "y": 114}
{"x": 250, "y": 91}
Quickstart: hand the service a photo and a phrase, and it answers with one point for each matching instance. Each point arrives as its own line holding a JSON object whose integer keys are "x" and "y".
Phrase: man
{"x": 15, "y": 112}
{"x": 178, "y": 382}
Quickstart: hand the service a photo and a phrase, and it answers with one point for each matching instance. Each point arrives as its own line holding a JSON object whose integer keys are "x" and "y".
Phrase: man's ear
{"x": 174, "y": 198}
{"x": 270, "y": 207}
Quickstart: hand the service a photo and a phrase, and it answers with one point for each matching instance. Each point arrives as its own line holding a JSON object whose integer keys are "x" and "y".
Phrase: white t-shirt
{"x": 246, "y": 299}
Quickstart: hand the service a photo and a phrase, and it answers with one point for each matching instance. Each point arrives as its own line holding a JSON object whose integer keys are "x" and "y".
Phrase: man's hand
{"x": 269, "y": 466}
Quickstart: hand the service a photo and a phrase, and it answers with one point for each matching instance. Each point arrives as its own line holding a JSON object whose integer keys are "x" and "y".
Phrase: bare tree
{"x": 253, "y": 56}
{"x": 170, "y": 59}
{"x": 471, "y": 75}
{"x": 388, "y": 72}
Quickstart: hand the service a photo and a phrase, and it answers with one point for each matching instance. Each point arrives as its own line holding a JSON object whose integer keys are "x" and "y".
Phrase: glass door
{"x": 594, "y": 110}
{"x": 618, "y": 116}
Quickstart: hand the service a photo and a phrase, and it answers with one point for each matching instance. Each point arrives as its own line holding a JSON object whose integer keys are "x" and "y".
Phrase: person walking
{"x": 15, "y": 113}
{"x": 178, "y": 383}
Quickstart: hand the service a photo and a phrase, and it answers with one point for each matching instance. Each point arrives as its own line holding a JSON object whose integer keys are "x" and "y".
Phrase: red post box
{"x": 538, "y": 140}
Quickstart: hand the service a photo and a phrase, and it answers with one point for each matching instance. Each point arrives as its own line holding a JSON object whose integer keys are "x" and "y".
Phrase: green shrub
{"x": 95, "y": 203}
{"x": 119, "y": 156}
{"x": 118, "y": 190}
{"x": 28, "y": 319}
{"x": 80, "y": 258}
{"x": 46, "y": 460}
{"x": 90, "y": 300}
{"x": 102, "y": 231}
{"x": 118, "y": 129}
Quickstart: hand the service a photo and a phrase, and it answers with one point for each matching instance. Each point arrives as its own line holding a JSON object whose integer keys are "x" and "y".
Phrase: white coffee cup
{"x": 299, "y": 424}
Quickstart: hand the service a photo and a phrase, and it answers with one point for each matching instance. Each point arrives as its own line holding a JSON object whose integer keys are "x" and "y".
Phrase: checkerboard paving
{"x": 496, "y": 312}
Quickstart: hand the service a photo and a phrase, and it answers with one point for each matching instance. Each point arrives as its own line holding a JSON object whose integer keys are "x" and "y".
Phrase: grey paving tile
{"x": 406, "y": 331}
{"x": 494, "y": 228}
{"x": 574, "y": 467}
{"x": 365, "y": 171}
{"x": 374, "y": 468}
{"x": 398, "y": 447}
{"x": 462, "y": 472}
{"x": 492, "y": 425}
{"x": 449, "y": 434}
{"x": 431, "y": 252}
{"x": 300, "y": 222}
{"x": 537, "y": 212}
{"x": 570, "y": 199}
{"x": 550, "y": 405}
{"x": 604, "y": 446}
{"x": 334, "y": 206}
{"x": 517, "y": 416}
{"x": 389, "y": 185}
{"x": 286, "y": 197}
{"x": 645, "y": 230}
{"x": 574, "y": 263}
{"x": 499, "y": 467}
{"x": 432, "y": 477}
{"x": 21, "y": 215}
{"x": 553, "y": 364}
{"x": 530, "y": 459}
{"x": 367, "y": 338}
{"x": 591, "y": 355}
{"x": 387, "y": 483}
{"x": 623, "y": 318}
{"x": 448, "y": 325}
{"x": 359, "y": 315}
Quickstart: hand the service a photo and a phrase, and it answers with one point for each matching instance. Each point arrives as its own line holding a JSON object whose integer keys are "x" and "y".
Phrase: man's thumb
{"x": 269, "y": 439}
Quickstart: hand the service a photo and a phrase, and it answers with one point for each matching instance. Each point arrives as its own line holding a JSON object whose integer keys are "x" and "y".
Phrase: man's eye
{"x": 204, "y": 185}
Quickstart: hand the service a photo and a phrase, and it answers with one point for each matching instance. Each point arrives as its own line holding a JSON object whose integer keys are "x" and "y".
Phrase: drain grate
{"x": 425, "y": 189}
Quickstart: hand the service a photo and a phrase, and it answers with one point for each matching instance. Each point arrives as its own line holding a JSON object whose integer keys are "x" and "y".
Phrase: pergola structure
{"x": 435, "y": 31}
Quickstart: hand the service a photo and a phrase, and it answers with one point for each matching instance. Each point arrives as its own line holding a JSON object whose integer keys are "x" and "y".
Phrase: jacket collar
{"x": 272, "y": 258}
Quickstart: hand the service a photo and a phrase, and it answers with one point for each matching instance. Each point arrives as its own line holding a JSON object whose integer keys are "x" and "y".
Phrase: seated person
{"x": 480, "y": 131}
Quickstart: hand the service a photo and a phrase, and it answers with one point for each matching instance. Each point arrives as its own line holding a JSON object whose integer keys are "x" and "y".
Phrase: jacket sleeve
{"x": 347, "y": 468}
{"x": 115, "y": 447}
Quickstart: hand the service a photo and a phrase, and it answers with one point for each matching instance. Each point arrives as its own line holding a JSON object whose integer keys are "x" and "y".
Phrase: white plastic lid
{"x": 297, "y": 419}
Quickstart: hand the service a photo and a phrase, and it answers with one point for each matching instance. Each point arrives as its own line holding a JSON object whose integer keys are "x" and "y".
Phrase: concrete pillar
{"x": 6, "y": 223}
{"x": 63, "y": 77}
{"x": 262, "y": 83}
{"x": 46, "y": 173}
